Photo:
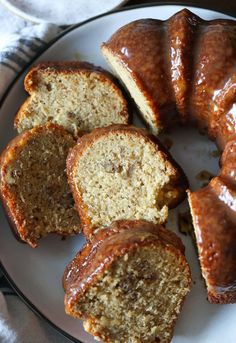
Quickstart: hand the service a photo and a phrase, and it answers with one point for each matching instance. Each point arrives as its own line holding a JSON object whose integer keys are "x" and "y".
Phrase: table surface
{"x": 227, "y": 6}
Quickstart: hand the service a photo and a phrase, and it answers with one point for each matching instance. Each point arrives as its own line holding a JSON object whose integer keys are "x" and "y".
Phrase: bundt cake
{"x": 187, "y": 66}
{"x": 129, "y": 283}
{"x": 122, "y": 172}
{"x": 33, "y": 184}
{"x": 76, "y": 95}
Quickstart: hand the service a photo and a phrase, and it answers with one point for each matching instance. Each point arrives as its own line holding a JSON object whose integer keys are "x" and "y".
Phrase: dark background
{"x": 226, "y": 6}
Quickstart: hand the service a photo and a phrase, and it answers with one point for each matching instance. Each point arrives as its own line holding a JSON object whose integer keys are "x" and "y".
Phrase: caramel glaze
{"x": 228, "y": 162}
{"x": 213, "y": 209}
{"x": 183, "y": 63}
{"x": 182, "y": 33}
{"x": 142, "y": 46}
{"x": 189, "y": 64}
{"x": 105, "y": 247}
{"x": 213, "y": 66}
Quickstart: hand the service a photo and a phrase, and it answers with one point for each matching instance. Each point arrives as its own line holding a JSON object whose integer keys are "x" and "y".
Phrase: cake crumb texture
{"x": 120, "y": 173}
{"x": 128, "y": 285}
{"x": 34, "y": 185}
{"x": 76, "y": 95}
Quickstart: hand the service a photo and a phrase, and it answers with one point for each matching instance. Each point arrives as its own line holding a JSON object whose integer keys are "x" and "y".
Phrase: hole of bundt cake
{"x": 38, "y": 180}
{"x": 123, "y": 177}
{"x": 138, "y": 298}
{"x": 83, "y": 100}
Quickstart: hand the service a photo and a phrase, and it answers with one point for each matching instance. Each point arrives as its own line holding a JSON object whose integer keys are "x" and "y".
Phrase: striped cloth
{"x": 19, "y": 42}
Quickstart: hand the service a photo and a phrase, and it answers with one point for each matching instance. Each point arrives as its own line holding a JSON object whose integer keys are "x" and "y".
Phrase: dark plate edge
{"x": 33, "y": 308}
{"x": 28, "y": 303}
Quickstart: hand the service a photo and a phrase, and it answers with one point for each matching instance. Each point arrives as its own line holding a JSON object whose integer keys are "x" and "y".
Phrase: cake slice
{"x": 129, "y": 283}
{"x": 77, "y": 95}
{"x": 123, "y": 172}
{"x": 153, "y": 59}
{"x": 215, "y": 230}
{"x": 138, "y": 55}
{"x": 33, "y": 184}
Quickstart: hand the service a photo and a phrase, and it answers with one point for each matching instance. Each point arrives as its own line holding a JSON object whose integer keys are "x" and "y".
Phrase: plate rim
{"x": 21, "y": 295}
{"x": 35, "y": 20}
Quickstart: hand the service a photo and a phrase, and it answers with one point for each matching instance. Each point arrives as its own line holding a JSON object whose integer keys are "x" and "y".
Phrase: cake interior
{"x": 121, "y": 176}
{"x": 141, "y": 100}
{"x": 38, "y": 183}
{"x": 80, "y": 101}
{"x": 138, "y": 298}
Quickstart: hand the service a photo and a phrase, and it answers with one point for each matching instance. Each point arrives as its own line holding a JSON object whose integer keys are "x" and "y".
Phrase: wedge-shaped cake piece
{"x": 123, "y": 172}
{"x": 215, "y": 229}
{"x": 33, "y": 184}
{"x": 129, "y": 283}
{"x": 76, "y": 95}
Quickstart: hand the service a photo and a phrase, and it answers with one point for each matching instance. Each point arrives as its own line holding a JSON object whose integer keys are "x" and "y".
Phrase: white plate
{"x": 36, "y": 273}
{"x": 60, "y": 12}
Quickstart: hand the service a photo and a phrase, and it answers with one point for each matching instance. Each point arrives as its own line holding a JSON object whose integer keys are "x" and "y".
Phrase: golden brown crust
{"x": 224, "y": 298}
{"x": 213, "y": 210}
{"x": 228, "y": 162}
{"x": 106, "y": 246}
{"x": 163, "y": 74}
{"x": 67, "y": 68}
{"x": 214, "y": 66}
{"x": 180, "y": 183}
{"x": 185, "y": 62}
{"x": 195, "y": 68}
{"x": 15, "y": 146}
{"x": 215, "y": 229}
{"x": 125, "y": 44}
{"x": 10, "y": 218}
{"x": 182, "y": 35}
